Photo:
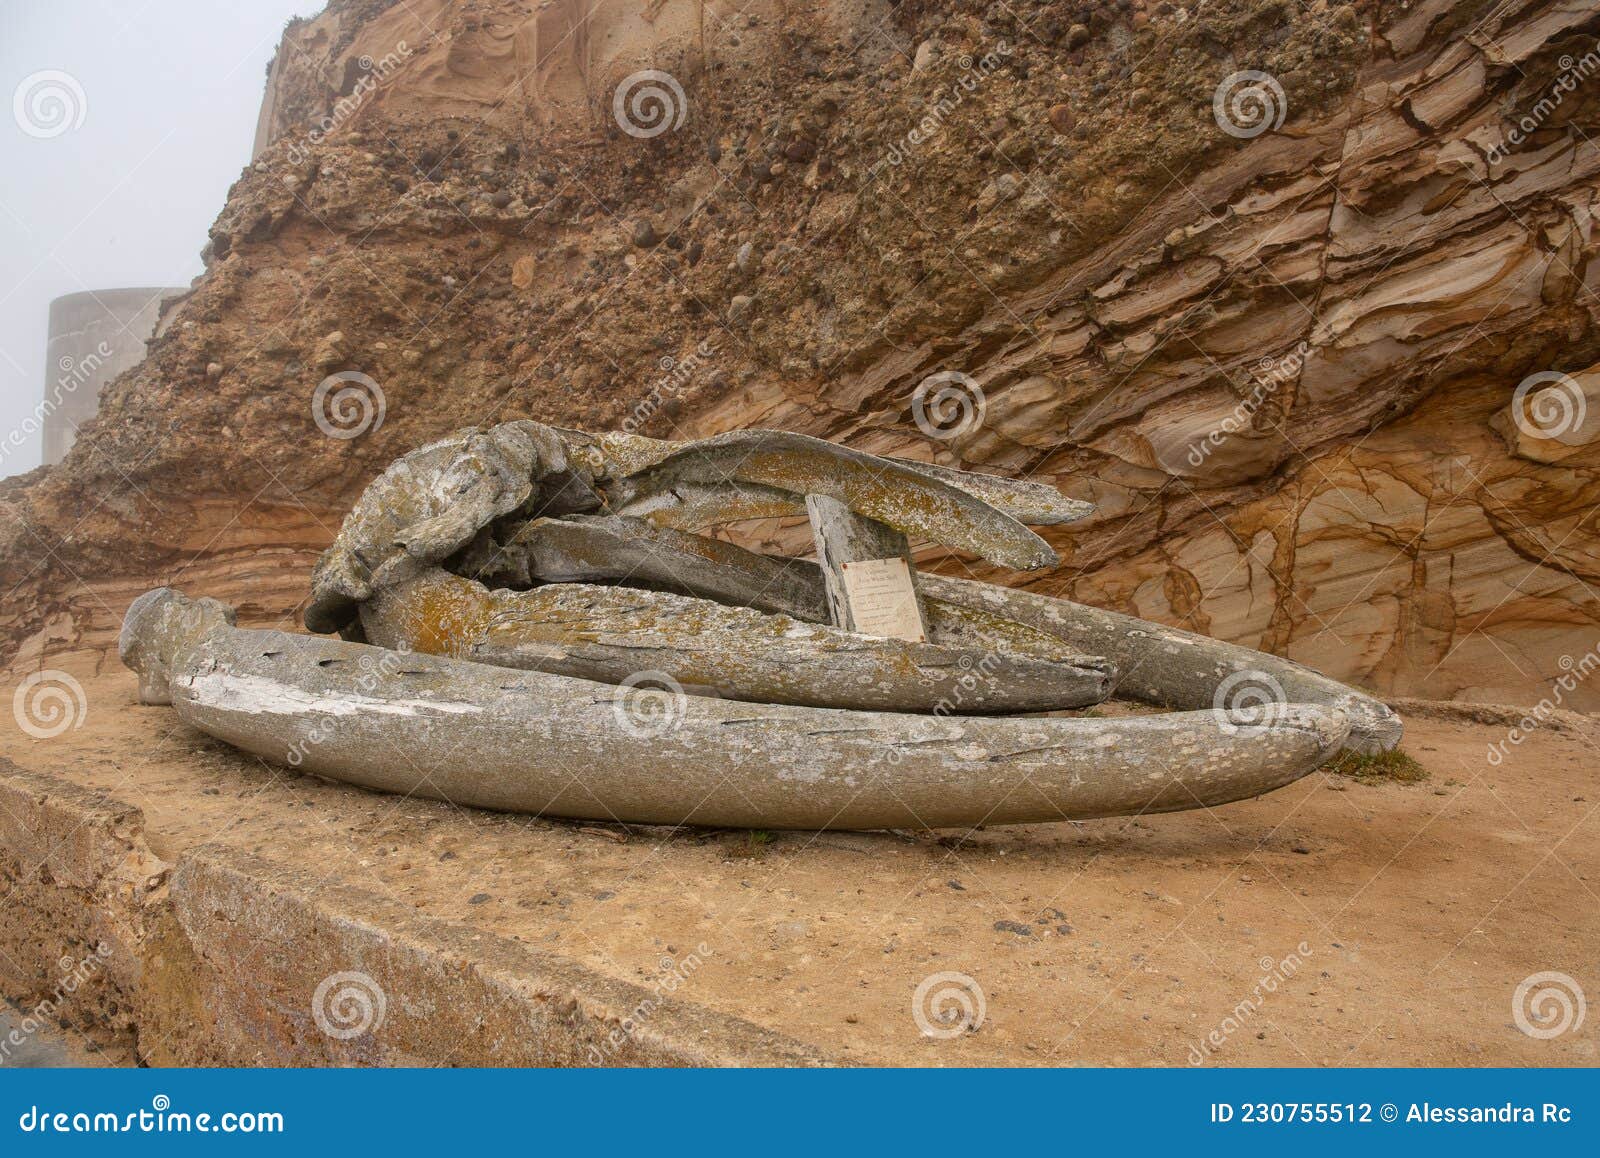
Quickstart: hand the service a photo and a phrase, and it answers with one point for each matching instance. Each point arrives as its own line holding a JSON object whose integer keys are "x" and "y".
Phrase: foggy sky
{"x": 170, "y": 92}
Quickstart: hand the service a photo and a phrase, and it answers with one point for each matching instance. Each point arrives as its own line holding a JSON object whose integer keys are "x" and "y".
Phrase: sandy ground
{"x": 1330, "y": 923}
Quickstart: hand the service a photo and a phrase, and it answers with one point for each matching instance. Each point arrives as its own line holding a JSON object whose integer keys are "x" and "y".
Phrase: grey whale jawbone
{"x": 554, "y": 745}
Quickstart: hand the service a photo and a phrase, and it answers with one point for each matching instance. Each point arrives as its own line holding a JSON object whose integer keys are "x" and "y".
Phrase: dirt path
{"x": 1330, "y": 923}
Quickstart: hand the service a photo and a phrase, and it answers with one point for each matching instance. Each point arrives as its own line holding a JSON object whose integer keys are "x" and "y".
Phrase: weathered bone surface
{"x": 613, "y": 548}
{"x": 1159, "y": 665}
{"x": 431, "y": 502}
{"x": 613, "y": 633}
{"x": 523, "y": 583}
{"x": 481, "y": 735}
{"x": 1036, "y": 504}
{"x": 1178, "y": 669}
{"x": 888, "y": 490}
{"x": 427, "y": 505}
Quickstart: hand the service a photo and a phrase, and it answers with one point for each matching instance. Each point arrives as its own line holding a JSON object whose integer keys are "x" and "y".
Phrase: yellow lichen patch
{"x": 444, "y": 616}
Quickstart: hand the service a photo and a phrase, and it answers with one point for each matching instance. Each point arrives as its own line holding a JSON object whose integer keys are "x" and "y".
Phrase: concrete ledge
{"x": 78, "y": 881}
{"x": 235, "y": 959}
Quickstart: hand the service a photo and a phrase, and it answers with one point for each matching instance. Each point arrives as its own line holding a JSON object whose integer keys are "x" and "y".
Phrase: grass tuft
{"x": 1377, "y": 767}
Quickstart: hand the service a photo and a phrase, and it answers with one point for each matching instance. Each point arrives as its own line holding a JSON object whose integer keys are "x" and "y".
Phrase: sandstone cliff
{"x": 1279, "y": 326}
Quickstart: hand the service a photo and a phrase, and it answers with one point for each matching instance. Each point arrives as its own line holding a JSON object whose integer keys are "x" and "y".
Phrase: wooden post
{"x": 867, "y": 571}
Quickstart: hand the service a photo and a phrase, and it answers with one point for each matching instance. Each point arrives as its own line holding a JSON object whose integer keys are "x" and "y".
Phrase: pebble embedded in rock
{"x": 644, "y": 235}
{"x": 1062, "y": 118}
{"x": 740, "y": 308}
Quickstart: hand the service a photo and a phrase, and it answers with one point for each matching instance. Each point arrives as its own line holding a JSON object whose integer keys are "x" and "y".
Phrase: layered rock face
{"x": 1304, "y": 297}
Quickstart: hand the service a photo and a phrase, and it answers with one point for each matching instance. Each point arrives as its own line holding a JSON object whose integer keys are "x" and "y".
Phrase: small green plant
{"x": 755, "y": 844}
{"x": 1377, "y": 767}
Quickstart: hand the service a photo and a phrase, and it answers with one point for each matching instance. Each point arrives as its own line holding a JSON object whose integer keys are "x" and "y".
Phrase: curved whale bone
{"x": 611, "y": 634}
{"x": 1163, "y": 666}
{"x": 692, "y": 505}
{"x": 427, "y": 505}
{"x": 888, "y": 491}
{"x": 481, "y": 735}
{"x": 636, "y": 553}
{"x": 434, "y": 501}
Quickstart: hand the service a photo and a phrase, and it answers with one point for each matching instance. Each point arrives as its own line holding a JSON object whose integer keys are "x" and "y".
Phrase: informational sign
{"x": 883, "y": 599}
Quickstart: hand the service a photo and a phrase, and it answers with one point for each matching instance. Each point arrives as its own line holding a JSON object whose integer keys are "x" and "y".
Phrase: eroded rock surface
{"x": 1285, "y": 364}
